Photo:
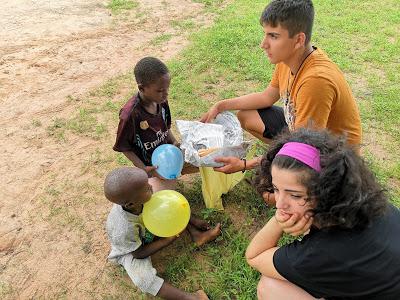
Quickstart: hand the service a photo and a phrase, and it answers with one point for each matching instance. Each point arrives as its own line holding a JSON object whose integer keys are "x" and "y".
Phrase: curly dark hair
{"x": 346, "y": 192}
{"x": 149, "y": 69}
{"x": 294, "y": 15}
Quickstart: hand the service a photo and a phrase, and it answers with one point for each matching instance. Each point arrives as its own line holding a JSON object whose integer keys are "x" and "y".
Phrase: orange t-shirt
{"x": 319, "y": 96}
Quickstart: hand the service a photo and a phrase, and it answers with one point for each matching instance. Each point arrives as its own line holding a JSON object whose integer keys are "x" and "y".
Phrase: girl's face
{"x": 290, "y": 194}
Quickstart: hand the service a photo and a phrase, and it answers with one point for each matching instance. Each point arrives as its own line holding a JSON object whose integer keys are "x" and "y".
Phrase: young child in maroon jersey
{"x": 145, "y": 120}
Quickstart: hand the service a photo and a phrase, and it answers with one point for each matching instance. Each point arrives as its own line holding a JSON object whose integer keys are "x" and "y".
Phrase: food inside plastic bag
{"x": 203, "y": 142}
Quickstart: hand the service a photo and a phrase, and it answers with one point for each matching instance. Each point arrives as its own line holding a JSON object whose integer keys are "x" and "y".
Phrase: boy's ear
{"x": 129, "y": 204}
{"x": 141, "y": 87}
{"x": 300, "y": 40}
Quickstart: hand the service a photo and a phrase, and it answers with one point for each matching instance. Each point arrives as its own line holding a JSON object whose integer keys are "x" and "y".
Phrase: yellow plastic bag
{"x": 214, "y": 184}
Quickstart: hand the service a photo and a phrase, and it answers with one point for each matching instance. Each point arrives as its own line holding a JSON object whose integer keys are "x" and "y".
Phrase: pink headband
{"x": 305, "y": 153}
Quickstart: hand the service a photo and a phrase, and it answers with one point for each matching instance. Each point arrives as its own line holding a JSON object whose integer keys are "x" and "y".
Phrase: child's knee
{"x": 162, "y": 184}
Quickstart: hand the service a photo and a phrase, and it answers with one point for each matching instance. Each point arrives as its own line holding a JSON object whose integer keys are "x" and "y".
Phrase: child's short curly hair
{"x": 149, "y": 69}
{"x": 346, "y": 192}
{"x": 121, "y": 184}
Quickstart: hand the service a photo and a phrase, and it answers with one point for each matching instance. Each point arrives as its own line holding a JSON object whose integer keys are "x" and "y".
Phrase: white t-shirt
{"x": 125, "y": 232}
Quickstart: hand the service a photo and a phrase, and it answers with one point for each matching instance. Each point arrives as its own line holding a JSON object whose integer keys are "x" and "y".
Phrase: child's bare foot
{"x": 199, "y": 223}
{"x": 201, "y": 295}
{"x": 269, "y": 199}
{"x": 202, "y": 237}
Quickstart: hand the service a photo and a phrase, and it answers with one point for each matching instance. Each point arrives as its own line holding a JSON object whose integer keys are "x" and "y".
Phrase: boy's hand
{"x": 293, "y": 224}
{"x": 177, "y": 144}
{"x": 232, "y": 164}
{"x": 151, "y": 171}
{"x": 209, "y": 116}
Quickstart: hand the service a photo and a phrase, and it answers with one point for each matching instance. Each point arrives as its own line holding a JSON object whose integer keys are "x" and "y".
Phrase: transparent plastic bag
{"x": 224, "y": 134}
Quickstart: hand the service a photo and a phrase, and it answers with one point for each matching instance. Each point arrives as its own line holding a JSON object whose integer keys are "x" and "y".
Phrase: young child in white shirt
{"x": 128, "y": 188}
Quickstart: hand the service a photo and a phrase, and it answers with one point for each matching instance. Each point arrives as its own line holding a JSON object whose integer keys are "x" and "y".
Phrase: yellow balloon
{"x": 166, "y": 214}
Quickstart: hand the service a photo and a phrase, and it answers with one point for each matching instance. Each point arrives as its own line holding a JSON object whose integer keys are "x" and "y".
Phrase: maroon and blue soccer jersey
{"x": 140, "y": 131}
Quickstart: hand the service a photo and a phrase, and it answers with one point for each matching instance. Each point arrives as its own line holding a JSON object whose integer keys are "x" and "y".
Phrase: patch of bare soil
{"x": 52, "y": 238}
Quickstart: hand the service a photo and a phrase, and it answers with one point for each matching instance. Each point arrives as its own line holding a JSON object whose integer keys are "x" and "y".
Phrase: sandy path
{"x": 50, "y": 50}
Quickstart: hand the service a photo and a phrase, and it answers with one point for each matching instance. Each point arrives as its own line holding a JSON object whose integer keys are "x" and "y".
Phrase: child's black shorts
{"x": 273, "y": 119}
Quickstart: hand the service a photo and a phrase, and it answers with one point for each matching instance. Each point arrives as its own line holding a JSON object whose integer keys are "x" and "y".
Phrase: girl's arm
{"x": 235, "y": 164}
{"x": 260, "y": 252}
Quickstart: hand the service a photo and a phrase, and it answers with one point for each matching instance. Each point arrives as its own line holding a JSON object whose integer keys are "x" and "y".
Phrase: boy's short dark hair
{"x": 149, "y": 69}
{"x": 120, "y": 183}
{"x": 294, "y": 15}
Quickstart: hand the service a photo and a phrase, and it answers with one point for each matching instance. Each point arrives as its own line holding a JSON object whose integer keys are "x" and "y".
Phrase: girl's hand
{"x": 293, "y": 224}
{"x": 231, "y": 164}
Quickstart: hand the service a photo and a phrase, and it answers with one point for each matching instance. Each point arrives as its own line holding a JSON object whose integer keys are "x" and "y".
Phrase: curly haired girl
{"x": 324, "y": 189}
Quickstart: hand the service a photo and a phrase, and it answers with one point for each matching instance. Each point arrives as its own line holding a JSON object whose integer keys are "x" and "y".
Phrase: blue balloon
{"x": 169, "y": 161}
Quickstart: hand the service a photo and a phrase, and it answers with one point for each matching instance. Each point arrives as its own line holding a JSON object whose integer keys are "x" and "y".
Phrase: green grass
{"x": 161, "y": 39}
{"x": 211, "y": 5}
{"x": 85, "y": 123}
{"x": 183, "y": 24}
{"x": 95, "y": 111}
{"x": 220, "y": 268}
{"x": 6, "y": 290}
{"x": 225, "y": 61}
{"x": 117, "y": 6}
{"x": 36, "y": 123}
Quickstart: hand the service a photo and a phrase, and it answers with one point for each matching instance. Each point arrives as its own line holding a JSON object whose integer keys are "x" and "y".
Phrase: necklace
{"x": 289, "y": 91}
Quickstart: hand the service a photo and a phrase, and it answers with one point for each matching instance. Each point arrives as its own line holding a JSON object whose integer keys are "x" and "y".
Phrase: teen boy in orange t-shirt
{"x": 311, "y": 87}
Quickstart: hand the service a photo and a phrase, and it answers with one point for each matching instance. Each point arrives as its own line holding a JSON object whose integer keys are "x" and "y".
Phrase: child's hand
{"x": 151, "y": 171}
{"x": 269, "y": 198}
{"x": 293, "y": 224}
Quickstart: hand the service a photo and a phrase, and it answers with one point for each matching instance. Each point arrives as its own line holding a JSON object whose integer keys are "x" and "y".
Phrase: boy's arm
{"x": 252, "y": 101}
{"x": 138, "y": 162}
{"x": 151, "y": 248}
{"x": 171, "y": 139}
{"x": 168, "y": 291}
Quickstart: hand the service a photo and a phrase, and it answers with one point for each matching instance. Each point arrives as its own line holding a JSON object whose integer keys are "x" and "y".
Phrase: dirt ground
{"x": 51, "y": 244}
